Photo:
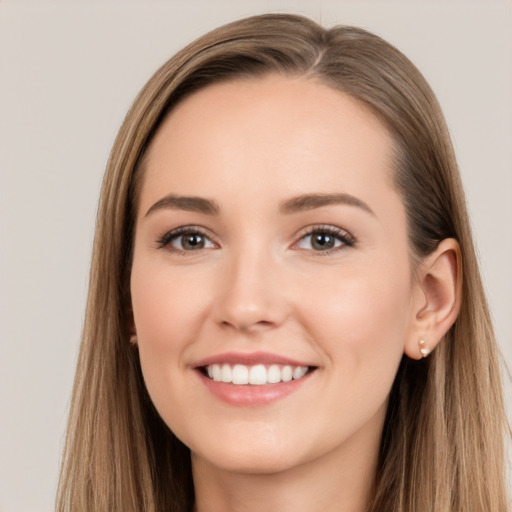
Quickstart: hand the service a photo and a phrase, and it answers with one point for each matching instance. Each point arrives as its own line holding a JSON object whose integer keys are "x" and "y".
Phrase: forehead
{"x": 290, "y": 132}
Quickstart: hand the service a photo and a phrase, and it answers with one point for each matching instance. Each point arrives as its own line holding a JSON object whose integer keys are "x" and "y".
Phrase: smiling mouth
{"x": 257, "y": 375}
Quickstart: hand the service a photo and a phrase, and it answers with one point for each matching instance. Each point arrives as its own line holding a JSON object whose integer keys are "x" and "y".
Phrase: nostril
{"x": 248, "y": 327}
{"x": 259, "y": 323}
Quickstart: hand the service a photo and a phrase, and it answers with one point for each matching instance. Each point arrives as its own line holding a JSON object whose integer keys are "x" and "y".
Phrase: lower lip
{"x": 250, "y": 395}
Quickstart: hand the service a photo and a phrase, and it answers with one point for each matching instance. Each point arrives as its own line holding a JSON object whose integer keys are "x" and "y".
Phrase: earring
{"x": 425, "y": 351}
{"x": 133, "y": 339}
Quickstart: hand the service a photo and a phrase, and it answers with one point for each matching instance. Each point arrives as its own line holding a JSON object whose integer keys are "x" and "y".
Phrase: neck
{"x": 339, "y": 481}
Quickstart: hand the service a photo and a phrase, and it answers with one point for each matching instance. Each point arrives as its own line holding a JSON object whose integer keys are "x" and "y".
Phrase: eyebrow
{"x": 290, "y": 206}
{"x": 312, "y": 201}
{"x": 190, "y": 204}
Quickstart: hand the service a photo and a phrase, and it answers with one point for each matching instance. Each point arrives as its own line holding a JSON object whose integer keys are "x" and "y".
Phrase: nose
{"x": 251, "y": 297}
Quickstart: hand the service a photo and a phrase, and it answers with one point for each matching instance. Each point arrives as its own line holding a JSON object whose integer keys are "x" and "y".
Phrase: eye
{"x": 185, "y": 239}
{"x": 325, "y": 239}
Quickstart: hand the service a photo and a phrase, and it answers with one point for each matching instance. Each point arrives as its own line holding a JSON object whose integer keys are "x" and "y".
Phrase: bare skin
{"x": 313, "y": 486}
{"x": 258, "y": 273}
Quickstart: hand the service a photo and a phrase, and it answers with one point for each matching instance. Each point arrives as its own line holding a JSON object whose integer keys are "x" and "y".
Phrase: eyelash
{"x": 340, "y": 234}
{"x": 346, "y": 239}
{"x": 164, "y": 242}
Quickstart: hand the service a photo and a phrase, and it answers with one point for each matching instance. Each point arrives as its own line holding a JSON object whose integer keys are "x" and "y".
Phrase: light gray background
{"x": 68, "y": 73}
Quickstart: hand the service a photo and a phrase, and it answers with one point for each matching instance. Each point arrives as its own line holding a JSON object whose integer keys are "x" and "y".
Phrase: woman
{"x": 285, "y": 309}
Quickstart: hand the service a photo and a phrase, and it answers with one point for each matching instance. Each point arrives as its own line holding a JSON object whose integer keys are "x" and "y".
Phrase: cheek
{"x": 167, "y": 311}
{"x": 364, "y": 317}
{"x": 362, "y": 329}
{"x": 166, "y": 306}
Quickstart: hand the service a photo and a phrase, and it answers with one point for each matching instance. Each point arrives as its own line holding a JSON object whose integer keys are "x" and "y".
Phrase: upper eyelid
{"x": 336, "y": 230}
{"x": 166, "y": 237}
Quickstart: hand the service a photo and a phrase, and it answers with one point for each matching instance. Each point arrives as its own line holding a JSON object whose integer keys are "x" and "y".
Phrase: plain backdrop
{"x": 68, "y": 73}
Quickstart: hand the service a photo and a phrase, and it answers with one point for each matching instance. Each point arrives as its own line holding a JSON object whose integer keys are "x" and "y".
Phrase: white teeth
{"x": 286, "y": 374}
{"x": 274, "y": 374}
{"x": 299, "y": 372}
{"x": 217, "y": 373}
{"x": 256, "y": 375}
{"x": 225, "y": 373}
{"x": 240, "y": 374}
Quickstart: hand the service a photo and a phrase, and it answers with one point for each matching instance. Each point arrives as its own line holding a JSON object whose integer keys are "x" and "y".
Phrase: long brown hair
{"x": 442, "y": 445}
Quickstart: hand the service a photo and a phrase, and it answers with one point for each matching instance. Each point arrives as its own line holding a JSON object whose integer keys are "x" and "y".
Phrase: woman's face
{"x": 271, "y": 245}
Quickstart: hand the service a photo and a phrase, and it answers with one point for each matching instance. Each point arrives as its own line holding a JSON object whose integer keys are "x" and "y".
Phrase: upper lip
{"x": 248, "y": 359}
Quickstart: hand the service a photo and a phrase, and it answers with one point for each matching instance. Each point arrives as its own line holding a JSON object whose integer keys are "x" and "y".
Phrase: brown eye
{"x": 185, "y": 240}
{"x": 322, "y": 241}
{"x": 190, "y": 242}
{"x": 325, "y": 239}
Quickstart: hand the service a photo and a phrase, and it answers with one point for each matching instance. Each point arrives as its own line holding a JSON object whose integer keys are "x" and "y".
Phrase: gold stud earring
{"x": 425, "y": 351}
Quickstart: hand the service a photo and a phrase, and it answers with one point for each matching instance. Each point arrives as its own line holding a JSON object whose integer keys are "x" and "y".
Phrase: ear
{"x": 436, "y": 298}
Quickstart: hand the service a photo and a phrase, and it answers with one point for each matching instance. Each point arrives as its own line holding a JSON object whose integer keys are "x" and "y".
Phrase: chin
{"x": 248, "y": 461}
